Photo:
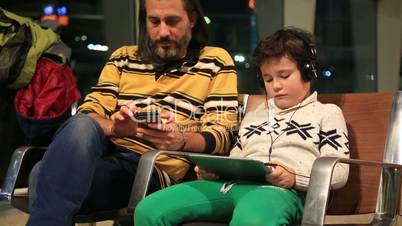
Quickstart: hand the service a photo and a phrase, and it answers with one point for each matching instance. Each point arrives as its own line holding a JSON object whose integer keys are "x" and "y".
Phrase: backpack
{"x": 22, "y": 42}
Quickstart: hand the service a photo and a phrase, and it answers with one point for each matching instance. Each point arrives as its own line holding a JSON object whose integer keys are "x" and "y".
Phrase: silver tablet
{"x": 232, "y": 168}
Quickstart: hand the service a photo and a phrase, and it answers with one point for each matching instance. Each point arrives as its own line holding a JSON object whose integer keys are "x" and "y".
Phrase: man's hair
{"x": 294, "y": 43}
{"x": 199, "y": 31}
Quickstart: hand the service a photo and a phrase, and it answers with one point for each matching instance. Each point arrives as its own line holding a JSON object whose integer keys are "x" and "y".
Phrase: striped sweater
{"x": 201, "y": 91}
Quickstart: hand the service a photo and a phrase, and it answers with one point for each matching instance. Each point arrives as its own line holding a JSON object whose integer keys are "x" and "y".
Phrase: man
{"x": 91, "y": 163}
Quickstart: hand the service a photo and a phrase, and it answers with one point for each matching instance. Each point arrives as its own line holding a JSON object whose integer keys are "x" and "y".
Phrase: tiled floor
{"x": 12, "y": 217}
{"x": 4, "y": 206}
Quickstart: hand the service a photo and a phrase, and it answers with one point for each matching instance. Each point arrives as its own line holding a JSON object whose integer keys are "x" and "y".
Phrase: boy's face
{"x": 169, "y": 28}
{"x": 283, "y": 82}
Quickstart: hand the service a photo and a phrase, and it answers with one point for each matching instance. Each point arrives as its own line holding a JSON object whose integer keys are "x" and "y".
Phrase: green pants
{"x": 243, "y": 205}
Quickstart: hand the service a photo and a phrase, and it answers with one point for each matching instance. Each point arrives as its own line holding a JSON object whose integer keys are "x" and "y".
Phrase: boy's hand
{"x": 281, "y": 176}
{"x": 205, "y": 175}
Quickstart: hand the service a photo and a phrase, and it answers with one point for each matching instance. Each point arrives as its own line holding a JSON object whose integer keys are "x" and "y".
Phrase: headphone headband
{"x": 308, "y": 68}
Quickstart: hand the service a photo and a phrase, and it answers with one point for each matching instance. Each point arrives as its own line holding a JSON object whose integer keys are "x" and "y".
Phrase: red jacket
{"x": 50, "y": 93}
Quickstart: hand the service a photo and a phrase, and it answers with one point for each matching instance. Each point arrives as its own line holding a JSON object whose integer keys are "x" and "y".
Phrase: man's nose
{"x": 164, "y": 30}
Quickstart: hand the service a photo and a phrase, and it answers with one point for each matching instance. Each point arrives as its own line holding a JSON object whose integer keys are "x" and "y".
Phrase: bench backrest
{"x": 367, "y": 116}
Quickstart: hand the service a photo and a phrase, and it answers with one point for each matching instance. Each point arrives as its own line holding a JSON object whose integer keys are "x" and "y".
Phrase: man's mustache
{"x": 165, "y": 41}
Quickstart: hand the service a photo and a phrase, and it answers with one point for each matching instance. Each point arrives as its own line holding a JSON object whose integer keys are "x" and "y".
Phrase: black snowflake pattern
{"x": 275, "y": 126}
{"x": 329, "y": 138}
{"x": 255, "y": 129}
{"x": 346, "y": 144}
{"x": 302, "y": 129}
{"x": 238, "y": 144}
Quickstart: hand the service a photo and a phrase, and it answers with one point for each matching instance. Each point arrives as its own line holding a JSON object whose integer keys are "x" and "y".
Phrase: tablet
{"x": 232, "y": 168}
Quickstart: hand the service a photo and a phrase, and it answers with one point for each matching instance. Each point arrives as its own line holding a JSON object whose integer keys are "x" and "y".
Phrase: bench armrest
{"x": 320, "y": 181}
{"x": 21, "y": 163}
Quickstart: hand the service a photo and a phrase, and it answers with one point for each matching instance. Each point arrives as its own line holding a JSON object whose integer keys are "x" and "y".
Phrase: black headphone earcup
{"x": 309, "y": 72}
{"x": 309, "y": 67}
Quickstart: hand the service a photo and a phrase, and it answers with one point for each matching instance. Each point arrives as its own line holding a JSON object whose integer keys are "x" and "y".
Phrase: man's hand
{"x": 205, "y": 175}
{"x": 123, "y": 123}
{"x": 165, "y": 135}
{"x": 281, "y": 177}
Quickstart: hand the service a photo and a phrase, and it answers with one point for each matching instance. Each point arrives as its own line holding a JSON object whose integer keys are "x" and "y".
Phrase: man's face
{"x": 169, "y": 28}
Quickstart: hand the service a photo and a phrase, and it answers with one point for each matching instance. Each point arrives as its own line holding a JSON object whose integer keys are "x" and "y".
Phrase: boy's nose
{"x": 277, "y": 84}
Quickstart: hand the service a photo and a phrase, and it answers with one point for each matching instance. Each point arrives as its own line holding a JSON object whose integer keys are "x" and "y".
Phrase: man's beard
{"x": 172, "y": 53}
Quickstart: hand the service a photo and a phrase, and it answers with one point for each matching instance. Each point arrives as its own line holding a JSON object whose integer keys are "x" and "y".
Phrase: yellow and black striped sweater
{"x": 202, "y": 93}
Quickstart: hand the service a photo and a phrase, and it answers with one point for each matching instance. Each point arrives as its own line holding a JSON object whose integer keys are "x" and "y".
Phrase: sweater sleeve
{"x": 221, "y": 106}
{"x": 334, "y": 143}
{"x": 102, "y": 98}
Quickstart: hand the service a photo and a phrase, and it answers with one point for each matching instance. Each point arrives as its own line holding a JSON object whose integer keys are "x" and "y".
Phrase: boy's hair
{"x": 292, "y": 42}
{"x": 199, "y": 32}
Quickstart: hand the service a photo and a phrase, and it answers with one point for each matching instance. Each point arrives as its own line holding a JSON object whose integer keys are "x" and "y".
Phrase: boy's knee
{"x": 266, "y": 207}
{"x": 144, "y": 214}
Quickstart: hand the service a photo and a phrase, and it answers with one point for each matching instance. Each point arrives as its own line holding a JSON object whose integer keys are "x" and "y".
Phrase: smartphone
{"x": 145, "y": 117}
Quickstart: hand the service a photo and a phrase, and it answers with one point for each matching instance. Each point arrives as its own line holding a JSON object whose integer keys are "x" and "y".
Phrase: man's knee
{"x": 80, "y": 131}
{"x": 80, "y": 125}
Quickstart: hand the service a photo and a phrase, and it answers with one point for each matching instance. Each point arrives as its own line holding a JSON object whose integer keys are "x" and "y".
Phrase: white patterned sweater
{"x": 298, "y": 135}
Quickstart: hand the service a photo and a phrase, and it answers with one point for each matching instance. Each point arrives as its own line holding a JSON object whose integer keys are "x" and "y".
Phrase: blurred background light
{"x": 48, "y": 10}
{"x": 62, "y": 11}
{"x": 239, "y": 58}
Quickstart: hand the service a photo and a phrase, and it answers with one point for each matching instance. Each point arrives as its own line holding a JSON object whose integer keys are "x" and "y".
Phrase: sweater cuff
{"x": 210, "y": 142}
{"x": 302, "y": 181}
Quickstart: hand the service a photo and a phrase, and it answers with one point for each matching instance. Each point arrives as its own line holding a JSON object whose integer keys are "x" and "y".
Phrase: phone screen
{"x": 145, "y": 117}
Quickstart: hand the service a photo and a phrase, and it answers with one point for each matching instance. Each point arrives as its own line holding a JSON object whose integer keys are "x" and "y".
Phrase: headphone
{"x": 308, "y": 68}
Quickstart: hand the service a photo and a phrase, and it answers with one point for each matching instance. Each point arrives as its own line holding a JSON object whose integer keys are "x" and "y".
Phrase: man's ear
{"x": 193, "y": 19}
